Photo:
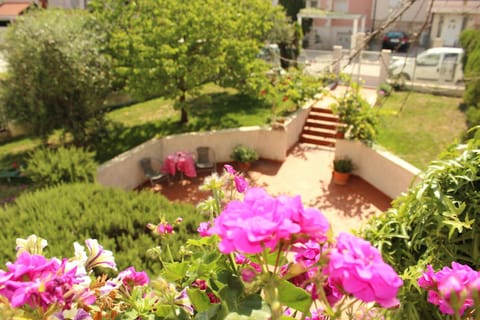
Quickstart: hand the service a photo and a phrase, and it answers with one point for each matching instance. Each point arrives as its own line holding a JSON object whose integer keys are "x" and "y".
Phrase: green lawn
{"x": 417, "y": 127}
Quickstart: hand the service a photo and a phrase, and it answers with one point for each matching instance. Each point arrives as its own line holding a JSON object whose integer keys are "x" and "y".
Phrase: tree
{"x": 57, "y": 77}
{"x": 470, "y": 41}
{"x": 173, "y": 48}
{"x": 293, "y": 7}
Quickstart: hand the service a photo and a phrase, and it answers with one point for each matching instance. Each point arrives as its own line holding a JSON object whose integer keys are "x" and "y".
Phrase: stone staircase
{"x": 320, "y": 128}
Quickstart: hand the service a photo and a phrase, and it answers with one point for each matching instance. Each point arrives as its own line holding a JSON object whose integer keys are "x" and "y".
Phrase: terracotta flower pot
{"x": 243, "y": 166}
{"x": 340, "y": 178}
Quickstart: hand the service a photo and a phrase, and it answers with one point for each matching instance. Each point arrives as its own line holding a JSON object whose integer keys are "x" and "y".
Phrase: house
{"x": 411, "y": 21}
{"x": 451, "y": 17}
{"x": 335, "y": 21}
{"x": 11, "y": 9}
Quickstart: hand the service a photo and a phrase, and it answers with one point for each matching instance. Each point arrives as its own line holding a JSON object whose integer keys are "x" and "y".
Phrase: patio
{"x": 307, "y": 172}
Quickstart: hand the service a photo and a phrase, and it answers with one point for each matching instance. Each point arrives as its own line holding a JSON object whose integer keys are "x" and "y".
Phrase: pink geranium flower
{"x": 131, "y": 278}
{"x": 251, "y": 225}
{"x": 241, "y": 184}
{"x": 203, "y": 229}
{"x": 308, "y": 253}
{"x": 358, "y": 268}
{"x": 261, "y": 221}
{"x": 459, "y": 280}
{"x": 39, "y": 282}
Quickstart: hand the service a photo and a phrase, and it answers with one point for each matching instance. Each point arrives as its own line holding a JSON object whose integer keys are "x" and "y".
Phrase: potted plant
{"x": 244, "y": 156}
{"x": 342, "y": 168}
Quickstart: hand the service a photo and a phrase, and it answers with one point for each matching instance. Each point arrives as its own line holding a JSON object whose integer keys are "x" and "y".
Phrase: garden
{"x": 73, "y": 249}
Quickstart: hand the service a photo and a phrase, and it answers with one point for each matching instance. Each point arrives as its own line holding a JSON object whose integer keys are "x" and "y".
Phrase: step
{"x": 322, "y": 117}
{"x": 321, "y": 110}
{"x": 320, "y": 125}
{"x": 320, "y": 134}
{"x": 317, "y": 141}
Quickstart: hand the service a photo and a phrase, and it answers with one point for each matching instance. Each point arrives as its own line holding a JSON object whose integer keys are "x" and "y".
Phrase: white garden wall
{"x": 383, "y": 170}
{"x": 124, "y": 170}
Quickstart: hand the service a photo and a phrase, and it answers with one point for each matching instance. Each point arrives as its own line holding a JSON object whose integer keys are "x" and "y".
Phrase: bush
{"x": 57, "y": 56}
{"x": 47, "y": 167}
{"x": 344, "y": 165}
{"x": 68, "y": 213}
{"x": 434, "y": 223}
{"x": 243, "y": 153}
{"x": 360, "y": 118}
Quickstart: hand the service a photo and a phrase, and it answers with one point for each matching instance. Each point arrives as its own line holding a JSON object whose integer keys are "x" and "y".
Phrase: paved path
{"x": 307, "y": 172}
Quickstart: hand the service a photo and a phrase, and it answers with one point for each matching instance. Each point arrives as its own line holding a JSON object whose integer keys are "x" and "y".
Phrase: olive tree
{"x": 57, "y": 76}
{"x": 172, "y": 48}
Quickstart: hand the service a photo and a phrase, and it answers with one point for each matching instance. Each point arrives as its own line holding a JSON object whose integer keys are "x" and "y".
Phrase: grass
{"x": 417, "y": 127}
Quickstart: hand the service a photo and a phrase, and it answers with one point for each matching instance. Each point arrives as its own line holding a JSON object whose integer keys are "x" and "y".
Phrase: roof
{"x": 10, "y": 10}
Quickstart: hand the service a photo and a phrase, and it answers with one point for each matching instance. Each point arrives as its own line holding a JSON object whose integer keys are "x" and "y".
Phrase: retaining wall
{"x": 124, "y": 170}
{"x": 381, "y": 169}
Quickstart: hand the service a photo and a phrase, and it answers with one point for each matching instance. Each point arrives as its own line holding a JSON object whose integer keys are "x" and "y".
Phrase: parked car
{"x": 437, "y": 64}
{"x": 396, "y": 41}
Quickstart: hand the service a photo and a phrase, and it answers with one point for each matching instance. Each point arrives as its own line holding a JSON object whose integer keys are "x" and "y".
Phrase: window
{"x": 450, "y": 58}
{"x": 428, "y": 60}
{"x": 313, "y": 4}
{"x": 340, "y": 5}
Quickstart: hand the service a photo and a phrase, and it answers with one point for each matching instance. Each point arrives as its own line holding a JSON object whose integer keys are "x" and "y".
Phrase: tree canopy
{"x": 172, "y": 48}
{"x": 57, "y": 77}
{"x": 470, "y": 41}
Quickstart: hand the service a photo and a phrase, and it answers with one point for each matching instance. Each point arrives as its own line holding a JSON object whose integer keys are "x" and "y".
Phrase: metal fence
{"x": 370, "y": 69}
{"x": 365, "y": 68}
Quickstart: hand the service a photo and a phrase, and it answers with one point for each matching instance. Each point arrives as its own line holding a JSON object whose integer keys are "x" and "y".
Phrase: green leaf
{"x": 175, "y": 271}
{"x": 294, "y": 297}
{"x": 163, "y": 310}
{"x": 215, "y": 312}
{"x": 250, "y": 303}
{"x": 199, "y": 299}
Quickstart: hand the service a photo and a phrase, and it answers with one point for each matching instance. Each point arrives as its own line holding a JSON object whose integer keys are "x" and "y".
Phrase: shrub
{"x": 243, "y": 153}
{"x": 358, "y": 116}
{"x": 434, "y": 223}
{"x": 344, "y": 165}
{"x": 68, "y": 213}
{"x": 47, "y": 167}
{"x": 57, "y": 55}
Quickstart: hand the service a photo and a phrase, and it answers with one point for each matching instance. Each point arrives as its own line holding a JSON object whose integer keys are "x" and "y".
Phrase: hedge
{"x": 67, "y": 213}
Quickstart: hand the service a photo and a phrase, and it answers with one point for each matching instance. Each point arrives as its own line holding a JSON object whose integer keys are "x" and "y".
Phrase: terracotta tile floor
{"x": 307, "y": 171}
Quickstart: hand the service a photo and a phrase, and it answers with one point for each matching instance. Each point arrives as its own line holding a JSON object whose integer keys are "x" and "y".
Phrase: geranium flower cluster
{"x": 256, "y": 249}
{"x": 261, "y": 224}
{"x": 261, "y": 221}
{"x": 60, "y": 288}
{"x": 453, "y": 290}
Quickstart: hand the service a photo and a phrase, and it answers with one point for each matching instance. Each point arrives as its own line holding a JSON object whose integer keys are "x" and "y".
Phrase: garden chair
{"x": 152, "y": 174}
{"x": 205, "y": 159}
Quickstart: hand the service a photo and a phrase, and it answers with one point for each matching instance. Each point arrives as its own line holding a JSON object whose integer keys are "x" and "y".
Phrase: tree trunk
{"x": 184, "y": 116}
{"x": 183, "y": 112}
